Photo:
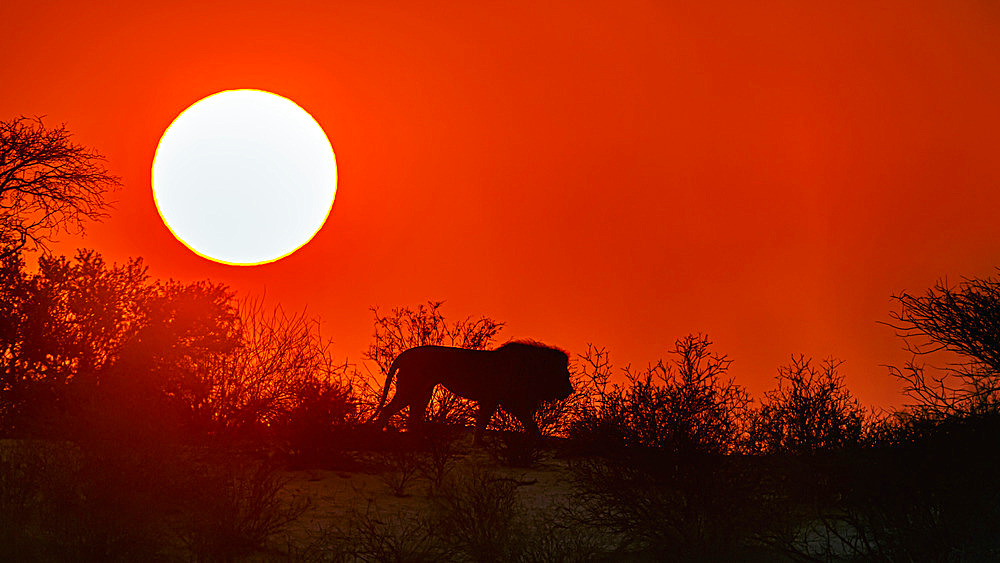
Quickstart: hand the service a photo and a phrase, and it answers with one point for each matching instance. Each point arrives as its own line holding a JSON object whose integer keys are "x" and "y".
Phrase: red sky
{"x": 621, "y": 173}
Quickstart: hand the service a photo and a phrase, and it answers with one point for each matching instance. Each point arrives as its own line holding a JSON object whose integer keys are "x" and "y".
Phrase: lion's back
{"x": 514, "y": 371}
{"x": 474, "y": 374}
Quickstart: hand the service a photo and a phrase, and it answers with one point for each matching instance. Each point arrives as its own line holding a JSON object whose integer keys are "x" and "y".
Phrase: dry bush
{"x": 432, "y": 456}
{"x": 115, "y": 494}
{"x": 811, "y": 410}
{"x": 516, "y": 449}
{"x": 685, "y": 406}
{"x": 373, "y": 538}
{"x": 476, "y": 513}
{"x": 233, "y": 507}
{"x": 84, "y": 327}
{"x": 76, "y": 325}
{"x": 668, "y": 506}
{"x": 667, "y": 480}
{"x": 94, "y": 505}
{"x": 321, "y": 426}
{"x": 281, "y": 367}
{"x": 401, "y": 467}
{"x": 327, "y": 543}
{"x": 555, "y": 538}
{"x": 930, "y": 491}
{"x": 478, "y": 516}
{"x": 441, "y": 453}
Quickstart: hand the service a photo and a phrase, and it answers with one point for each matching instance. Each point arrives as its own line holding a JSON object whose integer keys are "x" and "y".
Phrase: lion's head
{"x": 543, "y": 370}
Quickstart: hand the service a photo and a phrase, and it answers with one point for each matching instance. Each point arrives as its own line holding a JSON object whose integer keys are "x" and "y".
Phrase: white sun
{"x": 244, "y": 177}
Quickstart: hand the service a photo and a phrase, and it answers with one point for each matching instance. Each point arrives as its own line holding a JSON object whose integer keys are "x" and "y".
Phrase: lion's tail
{"x": 385, "y": 389}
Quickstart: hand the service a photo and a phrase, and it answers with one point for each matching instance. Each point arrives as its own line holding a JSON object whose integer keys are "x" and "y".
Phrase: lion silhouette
{"x": 516, "y": 376}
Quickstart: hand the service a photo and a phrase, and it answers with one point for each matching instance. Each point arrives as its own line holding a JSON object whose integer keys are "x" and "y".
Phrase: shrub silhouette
{"x": 928, "y": 492}
{"x": 682, "y": 407}
{"x": 660, "y": 505}
{"x": 25, "y": 482}
{"x": 318, "y": 426}
{"x": 811, "y": 410}
{"x": 78, "y": 326}
{"x": 370, "y": 535}
{"x": 280, "y": 365}
{"x": 668, "y": 481}
{"x": 477, "y": 514}
{"x": 235, "y": 508}
{"x": 104, "y": 357}
{"x": 474, "y": 515}
{"x": 516, "y": 449}
{"x": 99, "y": 499}
{"x": 441, "y": 454}
{"x": 400, "y": 467}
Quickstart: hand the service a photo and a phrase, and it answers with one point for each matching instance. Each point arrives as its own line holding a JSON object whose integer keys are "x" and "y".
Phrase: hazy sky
{"x": 617, "y": 173}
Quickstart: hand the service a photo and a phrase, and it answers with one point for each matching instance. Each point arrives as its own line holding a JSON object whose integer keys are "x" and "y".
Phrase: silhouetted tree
{"x": 960, "y": 325}
{"x": 406, "y": 328}
{"x": 182, "y": 328}
{"x": 84, "y": 324}
{"x": 48, "y": 184}
{"x": 810, "y": 410}
{"x": 68, "y": 318}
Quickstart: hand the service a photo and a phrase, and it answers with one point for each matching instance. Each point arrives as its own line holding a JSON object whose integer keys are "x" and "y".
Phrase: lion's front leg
{"x": 483, "y": 418}
{"x": 525, "y": 414}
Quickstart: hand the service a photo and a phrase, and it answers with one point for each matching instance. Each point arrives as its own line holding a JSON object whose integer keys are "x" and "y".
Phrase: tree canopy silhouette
{"x": 85, "y": 324}
{"x": 48, "y": 184}
{"x": 961, "y": 324}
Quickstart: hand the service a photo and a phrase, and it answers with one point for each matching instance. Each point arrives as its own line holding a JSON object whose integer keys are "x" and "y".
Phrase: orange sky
{"x": 617, "y": 173}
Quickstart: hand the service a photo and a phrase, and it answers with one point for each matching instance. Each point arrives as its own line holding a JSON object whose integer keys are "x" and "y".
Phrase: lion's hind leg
{"x": 397, "y": 404}
{"x": 418, "y": 406}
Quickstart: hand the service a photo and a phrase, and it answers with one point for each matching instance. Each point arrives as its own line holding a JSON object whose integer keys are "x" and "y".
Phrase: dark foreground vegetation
{"x": 180, "y": 450}
{"x": 158, "y": 420}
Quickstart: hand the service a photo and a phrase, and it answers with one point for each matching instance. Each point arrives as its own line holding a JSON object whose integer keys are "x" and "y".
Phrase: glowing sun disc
{"x": 244, "y": 177}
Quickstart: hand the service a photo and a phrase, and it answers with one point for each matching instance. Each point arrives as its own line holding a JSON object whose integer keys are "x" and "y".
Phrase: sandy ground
{"x": 335, "y": 493}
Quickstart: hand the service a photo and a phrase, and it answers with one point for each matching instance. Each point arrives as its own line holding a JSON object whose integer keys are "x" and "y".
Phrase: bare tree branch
{"x": 960, "y": 325}
{"x": 48, "y": 184}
